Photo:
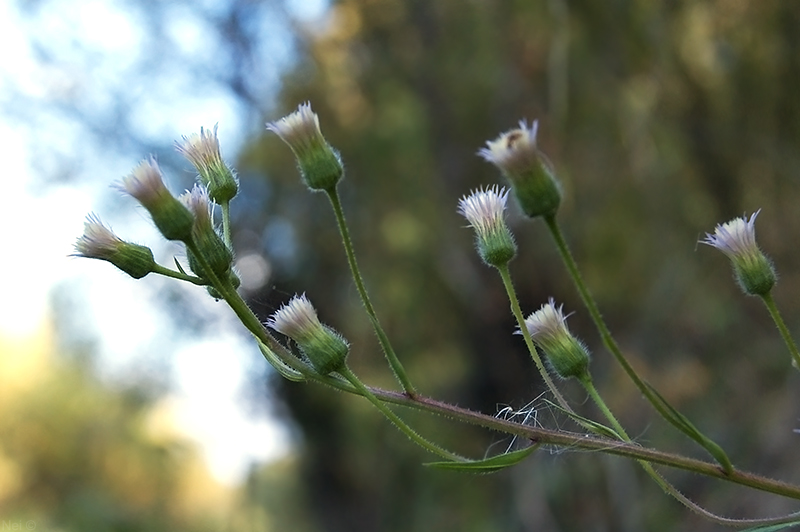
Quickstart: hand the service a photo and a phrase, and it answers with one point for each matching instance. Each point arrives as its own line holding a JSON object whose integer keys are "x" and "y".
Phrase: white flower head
{"x": 300, "y": 129}
{"x": 737, "y": 239}
{"x": 320, "y": 165}
{"x": 531, "y": 175}
{"x": 566, "y": 354}
{"x": 199, "y": 204}
{"x": 548, "y": 322}
{"x": 97, "y": 241}
{"x": 201, "y": 150}
{"x": 484, "y": 210}
{"x": 145, "y": 183}
{"x": 295, "y": 319}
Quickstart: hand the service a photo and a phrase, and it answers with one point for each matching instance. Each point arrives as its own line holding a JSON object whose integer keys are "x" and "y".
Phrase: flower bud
{"x": 752, "y": 269}
{"x": 208, "y": 242}
{"x": 324, "y": 347}
{"x": 99, "y": 242}
{"x": 484, "y": 211}
{"x": 147, "y": 186}
{"x": 567, "y": 356}
{"x": 528, "y": 170}
{"x": 203, "y": 152}
{"x": 319, "y": 164}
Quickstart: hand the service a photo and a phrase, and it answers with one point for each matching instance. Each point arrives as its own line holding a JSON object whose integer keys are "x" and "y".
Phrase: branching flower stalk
{"x": 321, "y": 169}
{"x": 567, "y": 440}
{"x": 538, "y": 192}
{"x": 484, "y": 210}
{"x": 219, "y": 179}
{"x": 189, "y": 219}
{"x": 569, "y": 358}
{"x": 327, "y": 351}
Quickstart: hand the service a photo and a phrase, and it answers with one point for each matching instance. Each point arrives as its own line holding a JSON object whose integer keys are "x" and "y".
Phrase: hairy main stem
{"x": 395, "y": 419}
{"x": 576, "y": 440}
{"x": 663, "y": 483}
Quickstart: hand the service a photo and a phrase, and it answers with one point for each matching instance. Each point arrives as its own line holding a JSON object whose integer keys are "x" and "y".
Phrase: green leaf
{"x": 285, "y": 371}
{"x": 773, "y": 528}
{"x": 683, "y": 423}
{"x": 488, "y": 465}
{"x": 588, "y": 424}
{"x": 178, "y": 265}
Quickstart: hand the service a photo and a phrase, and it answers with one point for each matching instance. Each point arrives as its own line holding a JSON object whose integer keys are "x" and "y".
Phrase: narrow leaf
{"x": 774, "y": 528}
{"x": 590, "y": 425}
{"x": 178, "y": 265}
{"x": 683, "y": 423}
{"x": 285, "y": 371}
{"x": 488, "y": 465}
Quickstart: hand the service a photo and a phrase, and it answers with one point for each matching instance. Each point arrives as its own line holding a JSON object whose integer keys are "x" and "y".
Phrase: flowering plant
{"x": 321, "y": 354}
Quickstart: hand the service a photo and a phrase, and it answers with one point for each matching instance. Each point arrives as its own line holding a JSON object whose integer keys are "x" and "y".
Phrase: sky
{"x": 43, "y": 222}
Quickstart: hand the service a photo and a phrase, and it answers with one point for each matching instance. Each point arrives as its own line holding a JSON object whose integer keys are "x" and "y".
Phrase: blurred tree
{"x": 76, "y": 454}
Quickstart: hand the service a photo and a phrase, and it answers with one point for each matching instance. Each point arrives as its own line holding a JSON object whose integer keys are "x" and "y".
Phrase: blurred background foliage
{"x": 661, "y": 118}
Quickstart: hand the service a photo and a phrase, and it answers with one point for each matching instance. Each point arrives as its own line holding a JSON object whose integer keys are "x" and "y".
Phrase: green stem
{"x": 244, "y": 313}
{"x": 226, "y": 223}
{"x": 386, "y": 346}
{"x": 659, "y": 403}
{"x": 787, "y": 337}
{"x": 517, "y": 311}
{"x": 394, "y": 418}
{"x": 588, "y": 385}
{"x": 591, "y": 306}
{"x": 162, "y": 270}
{"x": 663, "y": 483}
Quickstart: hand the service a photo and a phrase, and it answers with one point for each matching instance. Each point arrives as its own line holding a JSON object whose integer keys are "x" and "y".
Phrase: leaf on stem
{"x": 773, "y": 528}
{"x": 686, "y": 426}
{"x": 178, "y": 265}
{"x": 285, "y": 371}
{"x": 488, "y": 465}
{"x": 590, "y": 425}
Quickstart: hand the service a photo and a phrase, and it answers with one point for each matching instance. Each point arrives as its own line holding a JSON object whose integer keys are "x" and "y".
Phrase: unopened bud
{"x": 566, "y": 354}
{"x": 99, "y": 242}
{"x": 324, "y": 347}
{"x": 146, "y": 184}
{"x": 737, "y": 239}
{"x": 528, "y": 170}
{"x": 203, "y": 152}
{"x": 204, "y": 236}
{"x": 484, "y": 210}
{"x": 319, "y": 164}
